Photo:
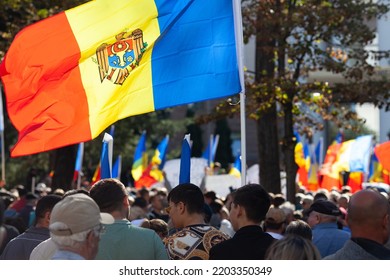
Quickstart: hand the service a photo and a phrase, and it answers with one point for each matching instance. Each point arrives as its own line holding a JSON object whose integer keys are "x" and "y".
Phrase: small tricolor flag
{"x": 139, "y": 164}
{"x": 236, "y": 168}
{"x": 161, "y": 153}
{"x": 79, "y": 161}
{"x": 211, "y": 150}
{"x": 106, "y": 157}
{"x": 117, "y": 168}
{"x": 185, "y": 161}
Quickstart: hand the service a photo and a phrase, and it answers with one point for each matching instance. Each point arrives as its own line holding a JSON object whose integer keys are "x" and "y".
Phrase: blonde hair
{"x": 293, "y": 247}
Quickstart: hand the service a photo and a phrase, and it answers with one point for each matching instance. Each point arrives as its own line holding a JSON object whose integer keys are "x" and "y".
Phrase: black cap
{"x": 31, "y": 196}
{"x": 325, "y": 207}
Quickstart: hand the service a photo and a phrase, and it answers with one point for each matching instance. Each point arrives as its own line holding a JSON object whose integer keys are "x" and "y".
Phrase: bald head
{"x": 368, "y": 215}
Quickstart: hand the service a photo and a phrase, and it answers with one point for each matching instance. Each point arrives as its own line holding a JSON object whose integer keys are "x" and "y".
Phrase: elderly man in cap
{"x": 322, "y": 218}
{"x": 275, "y": 222}
{"x": 75, "y": 227}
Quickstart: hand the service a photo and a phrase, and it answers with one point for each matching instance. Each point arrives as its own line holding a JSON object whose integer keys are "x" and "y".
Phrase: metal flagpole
{"x": 240, "y": 60}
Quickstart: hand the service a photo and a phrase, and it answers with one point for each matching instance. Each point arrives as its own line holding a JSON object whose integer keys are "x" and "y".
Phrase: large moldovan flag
{"x": 72, "y": 75}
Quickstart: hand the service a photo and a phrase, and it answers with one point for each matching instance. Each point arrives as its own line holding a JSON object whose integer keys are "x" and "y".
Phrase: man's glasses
{"x": 99, "y": 230}
{"x": 168, "y": 209}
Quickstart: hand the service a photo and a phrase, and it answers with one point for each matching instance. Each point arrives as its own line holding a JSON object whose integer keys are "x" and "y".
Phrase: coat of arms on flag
{"x": 117, "y": 60}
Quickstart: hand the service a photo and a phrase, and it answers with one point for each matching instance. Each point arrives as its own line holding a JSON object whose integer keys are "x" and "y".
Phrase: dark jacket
{"x": 20, "y": 247}
{"x": 249, "y": 243}
{"x": 354, "y": 251}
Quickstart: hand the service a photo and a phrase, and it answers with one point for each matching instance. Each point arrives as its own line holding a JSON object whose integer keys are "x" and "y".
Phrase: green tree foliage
{"x": 295, "y": 38}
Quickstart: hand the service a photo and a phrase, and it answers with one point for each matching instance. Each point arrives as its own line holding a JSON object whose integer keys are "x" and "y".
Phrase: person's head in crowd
{"x": 141, "y": 203}
{"x": 293, "y": 247}
{"x": 76, "y": 224}
{"x": 157, "y": 202}
{"x": 368, "y": 216}
{"x": 44, "y": 208}
{"x": 322, "y": 211}
{"x": 321, "y": 195}
{"x": 160, "y": 227}
{"x": 138, "y": 209}
{"x": 301, "y": 228}
{"x": 275, "y": 222}
{"x": 22, "y": 191}
{"x": 343, "y": 201}
{"x": 216, "y": 205}
{"x": 144, "y": 193}
{"x": 298, "y": 200}
{"x": 162, "y": 191}
{"x": 215, "y": 219}
{"x": 31, "y": 199}
{"x": 334, "y": 196}
{"x": 144, "y": 223}
{"x": 75, "y": 191}
{"x": 346, "y": 189}
{"x": 186, "y": 205}
{"x": 228, "y": 200}
{"x": 111, "y": 197}
{"x": 41, "y": 189}
{"x": 307, "y": 201}
{"x": 59, "y": 192}
{"x": 288, "y": 209}
{"x": 131, "y": 200}
{"x": 224, "y": 212}
{"x": 85, "y": 184}
{"x": 301, "y": 189}
{"x": 250, "y": 205}
{"x": 7, "y": 197}
{"x": 298, "y": 215}
{"x": 278, "y": 200}
{"x": 385, "y": 194}
{"x": 210, "y": 197}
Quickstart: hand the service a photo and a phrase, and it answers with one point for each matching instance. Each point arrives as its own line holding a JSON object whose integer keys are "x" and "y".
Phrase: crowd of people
{"x": 108, "y": 221}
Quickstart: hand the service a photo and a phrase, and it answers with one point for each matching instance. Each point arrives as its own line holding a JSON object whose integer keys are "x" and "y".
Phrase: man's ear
{"x": 240, "y": 211}
{"x": 126, "y": 202}
{"x": 47, "y": 216}
{"x": 91, "y": 237}
{"x": 181, "y": 207}
{"x": 385, "y": 222}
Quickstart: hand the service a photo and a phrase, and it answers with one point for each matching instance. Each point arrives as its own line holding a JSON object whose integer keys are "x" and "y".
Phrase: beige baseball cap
{"x": 275, "y": 215}
{"x": 79, "y": 213}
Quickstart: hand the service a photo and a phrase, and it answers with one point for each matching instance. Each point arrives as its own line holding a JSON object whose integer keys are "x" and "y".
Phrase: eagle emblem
{"x": 117, "y": 60}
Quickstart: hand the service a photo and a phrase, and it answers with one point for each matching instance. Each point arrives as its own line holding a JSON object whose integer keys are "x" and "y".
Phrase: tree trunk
{"x": 269, "y": 151}
{"x": 288, "y": 151}
{"x": 64, "y": 164}
{"x": 267, "y": 124}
